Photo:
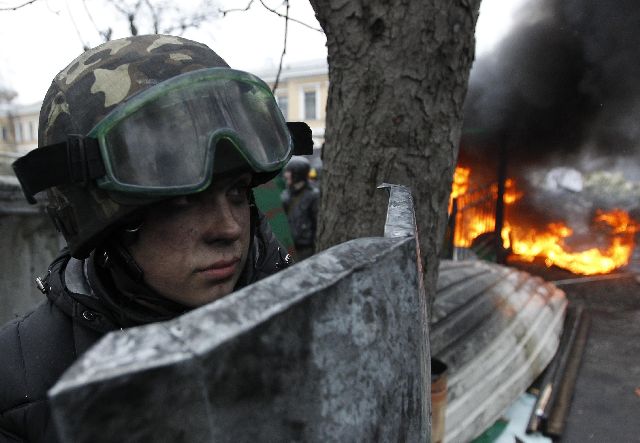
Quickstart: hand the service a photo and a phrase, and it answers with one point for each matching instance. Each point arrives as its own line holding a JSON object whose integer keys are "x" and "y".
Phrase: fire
{"x": 511, "y": 194}
{"x": 549, "y": 244}
{"x": 460, "y": 184}
{"x": 619, "y": 220}
{"x": 479, "y": 216}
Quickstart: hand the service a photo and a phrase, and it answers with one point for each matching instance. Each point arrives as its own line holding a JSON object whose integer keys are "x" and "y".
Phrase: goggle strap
{"x": 76, "y": 160}
{"x": 301, "y": 136}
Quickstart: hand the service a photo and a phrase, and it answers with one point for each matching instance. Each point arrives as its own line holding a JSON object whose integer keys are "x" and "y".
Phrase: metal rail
{"x": 573, "y": 281}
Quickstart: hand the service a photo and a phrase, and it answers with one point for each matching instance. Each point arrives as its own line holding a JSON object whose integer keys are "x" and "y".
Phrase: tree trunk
{"x": 398, "y": 72}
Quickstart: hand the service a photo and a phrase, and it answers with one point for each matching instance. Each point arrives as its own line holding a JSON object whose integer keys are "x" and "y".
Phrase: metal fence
{"x": 472, "y": 220}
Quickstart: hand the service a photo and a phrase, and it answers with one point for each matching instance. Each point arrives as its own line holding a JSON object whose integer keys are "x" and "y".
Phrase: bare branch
{"x": 187, "y": 23}
{"x": 120, "y": 8}
{"x": 106, "y": 34}
{"x": 224, "y": 12}
{"x": 289, "y": 18}
{"x": 14, "y": 8}
{"x": 154, "y": 15}
{"x": 284, "y": 48}
{"x": 133, "y": 29}
{"x": 85, "y": 46}
{"x": 130, "y": 13}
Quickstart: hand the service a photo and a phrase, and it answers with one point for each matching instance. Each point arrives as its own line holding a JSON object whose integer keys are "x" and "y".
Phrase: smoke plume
{"x": 561, "y": 90}
{"x": 565, "y": 82}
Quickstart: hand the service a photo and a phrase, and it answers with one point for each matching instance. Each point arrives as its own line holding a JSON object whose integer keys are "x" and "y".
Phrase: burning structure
{"x": 551, "y": 130}
{"x": 612, "y": 233}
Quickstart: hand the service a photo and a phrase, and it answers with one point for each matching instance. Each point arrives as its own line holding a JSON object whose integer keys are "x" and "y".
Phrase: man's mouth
{"x": 220, "y": 270}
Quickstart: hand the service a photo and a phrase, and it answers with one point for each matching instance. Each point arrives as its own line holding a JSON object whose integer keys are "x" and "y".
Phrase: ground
{"x": 606, "y": 401}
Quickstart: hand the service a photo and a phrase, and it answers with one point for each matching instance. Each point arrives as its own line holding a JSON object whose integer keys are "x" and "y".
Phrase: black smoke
{"x": 562, "y": 89}
{"x": 564, "y": 84}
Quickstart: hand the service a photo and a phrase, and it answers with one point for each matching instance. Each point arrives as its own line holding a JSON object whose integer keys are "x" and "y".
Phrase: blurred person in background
{"x": 300, "y": 201}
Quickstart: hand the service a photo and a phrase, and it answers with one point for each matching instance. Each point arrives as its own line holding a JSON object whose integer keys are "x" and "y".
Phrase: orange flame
{"x": 619, "y": 220}
{"x": 528, "y": 244}
{"x": 460, "y": 184}
{"x": 460, "y": 181}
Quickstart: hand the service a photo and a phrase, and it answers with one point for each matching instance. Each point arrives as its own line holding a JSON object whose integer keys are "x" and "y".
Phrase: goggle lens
{"x": 166, "y": 141}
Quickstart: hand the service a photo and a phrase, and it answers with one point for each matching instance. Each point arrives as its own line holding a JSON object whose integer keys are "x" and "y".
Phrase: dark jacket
{"x": 35, "y": 350}
{"x": 301, "y": 207}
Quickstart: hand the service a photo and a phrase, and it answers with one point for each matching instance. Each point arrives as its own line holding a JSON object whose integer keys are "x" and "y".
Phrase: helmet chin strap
{"x": 129, "y": 234}
{"x": 117, "y": 248}
{"x": 128, "y": 262}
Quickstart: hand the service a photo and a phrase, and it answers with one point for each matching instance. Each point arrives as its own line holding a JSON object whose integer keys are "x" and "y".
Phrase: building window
{"x": 310, "y": 105}
{"x": 18, "y": 128}
{"x": 32, "y": 130}
{"x": 283, "y": 103}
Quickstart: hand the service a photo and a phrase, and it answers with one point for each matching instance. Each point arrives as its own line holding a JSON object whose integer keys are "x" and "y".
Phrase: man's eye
{"x": 239, "y": 193}
{"x": 181, "y": 202}
{"x": 240, "y": 190}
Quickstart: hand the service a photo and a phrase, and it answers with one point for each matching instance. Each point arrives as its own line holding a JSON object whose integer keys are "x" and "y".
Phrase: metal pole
{"x": 554, "y": 372}
{"x": 565, "y": 386}
{"x": 502, "y": 179}
{"x": 451, "y": 231}
{"x": 577, "y": 280}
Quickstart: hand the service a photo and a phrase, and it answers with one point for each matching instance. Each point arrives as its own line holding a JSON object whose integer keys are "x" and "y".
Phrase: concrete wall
{"x": 28, "y": 243}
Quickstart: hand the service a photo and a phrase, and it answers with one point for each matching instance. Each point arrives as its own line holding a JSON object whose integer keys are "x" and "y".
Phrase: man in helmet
{"x": 300, "y": 201}
{"x": 149, "y": 147}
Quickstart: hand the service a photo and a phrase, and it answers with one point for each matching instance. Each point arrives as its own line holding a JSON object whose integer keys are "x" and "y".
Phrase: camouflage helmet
{"x": 81, "y": 95}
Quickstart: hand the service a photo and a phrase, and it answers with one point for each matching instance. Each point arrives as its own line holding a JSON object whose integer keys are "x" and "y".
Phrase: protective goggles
{"x": 163, "y": 141}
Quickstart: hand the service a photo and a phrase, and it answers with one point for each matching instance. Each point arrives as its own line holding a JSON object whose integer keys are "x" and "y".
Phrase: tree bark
{"x": 398, "y": 73}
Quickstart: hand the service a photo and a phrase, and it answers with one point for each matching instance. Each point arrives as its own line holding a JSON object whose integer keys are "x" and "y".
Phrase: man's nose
{"x": 221, "y": 220}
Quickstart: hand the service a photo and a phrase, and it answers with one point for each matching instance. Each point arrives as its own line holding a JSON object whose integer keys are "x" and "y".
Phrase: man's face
{"x": 192, "y": 249}
{"x": 287, "y": 178}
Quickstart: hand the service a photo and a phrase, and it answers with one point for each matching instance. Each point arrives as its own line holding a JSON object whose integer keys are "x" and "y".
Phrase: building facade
{"x": 18, "y": 132}
{"x": 302, "y": 94}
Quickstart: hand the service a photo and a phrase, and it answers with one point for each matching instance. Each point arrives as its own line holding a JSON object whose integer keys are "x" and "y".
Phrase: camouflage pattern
{"x": 82, "y": 94}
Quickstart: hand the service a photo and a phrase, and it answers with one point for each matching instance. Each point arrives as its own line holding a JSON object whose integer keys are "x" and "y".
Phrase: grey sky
{"x": 41, "y": 39}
